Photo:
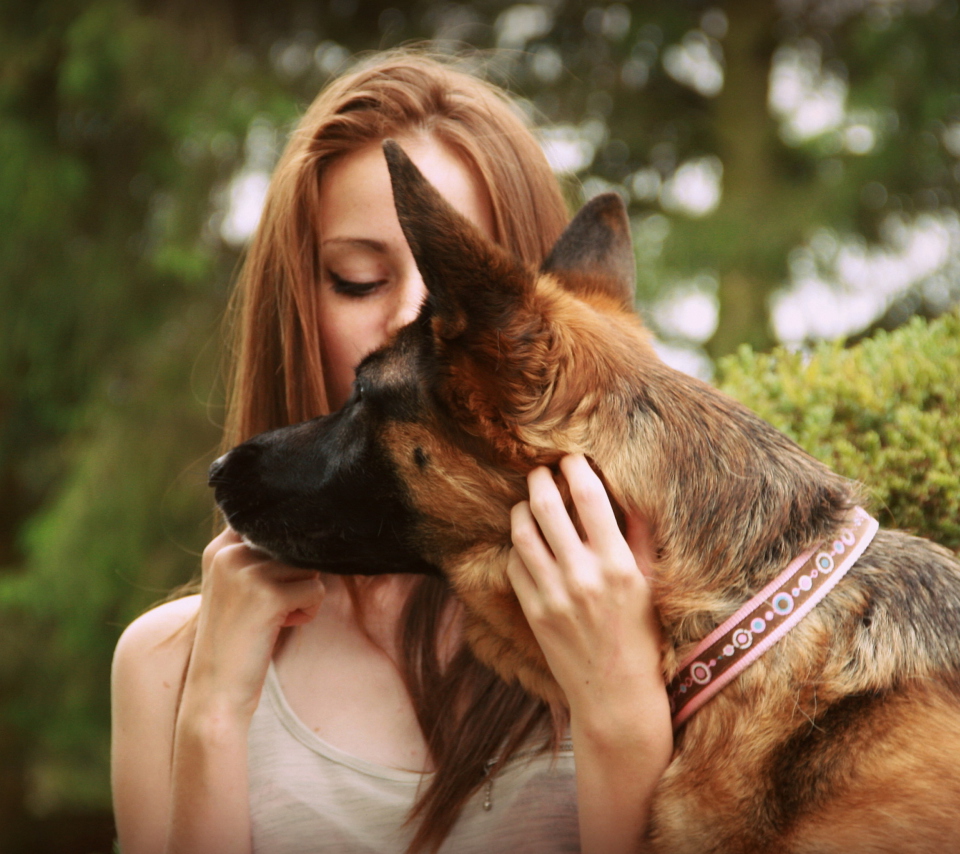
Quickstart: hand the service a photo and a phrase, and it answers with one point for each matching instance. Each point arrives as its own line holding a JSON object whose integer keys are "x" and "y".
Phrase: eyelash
{"x": 353, "y": 289}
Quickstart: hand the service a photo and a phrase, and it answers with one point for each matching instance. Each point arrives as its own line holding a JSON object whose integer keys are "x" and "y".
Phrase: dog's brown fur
{"x": 843, "y": 737}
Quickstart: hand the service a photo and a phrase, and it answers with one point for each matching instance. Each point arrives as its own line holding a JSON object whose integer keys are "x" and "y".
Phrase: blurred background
{"x": 793, "y": 174}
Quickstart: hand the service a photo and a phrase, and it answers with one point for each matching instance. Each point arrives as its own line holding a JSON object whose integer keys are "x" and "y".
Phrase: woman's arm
{"x": 180, "y": 768}
{"x": 590, "y": 607}
{"x": 148, "y": 669}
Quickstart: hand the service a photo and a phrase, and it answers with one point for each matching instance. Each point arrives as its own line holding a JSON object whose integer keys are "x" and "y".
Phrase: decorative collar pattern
{"x": 760, "y": 623}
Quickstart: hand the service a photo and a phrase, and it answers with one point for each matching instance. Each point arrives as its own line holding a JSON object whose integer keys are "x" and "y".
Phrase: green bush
{"x": 885, "y": 412}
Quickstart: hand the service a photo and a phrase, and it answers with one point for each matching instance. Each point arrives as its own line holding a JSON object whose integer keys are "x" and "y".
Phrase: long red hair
{"x": 278, "y": 376}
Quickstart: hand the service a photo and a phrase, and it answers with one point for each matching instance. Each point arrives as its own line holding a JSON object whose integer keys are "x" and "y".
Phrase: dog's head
{"x": 504, "y": 369}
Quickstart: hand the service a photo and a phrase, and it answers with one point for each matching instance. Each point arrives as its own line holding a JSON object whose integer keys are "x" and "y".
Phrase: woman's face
{"x": 370, "y": 285}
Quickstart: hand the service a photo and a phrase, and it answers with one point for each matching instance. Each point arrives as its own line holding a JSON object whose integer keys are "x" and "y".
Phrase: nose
{"x": 410, "y": 297}
{"x": 233, "y": 465}
{"x": 215, "y": 473}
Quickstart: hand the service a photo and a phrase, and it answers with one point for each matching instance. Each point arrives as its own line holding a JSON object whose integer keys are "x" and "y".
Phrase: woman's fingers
{"x": 526, "y": 534}
{"x": 234, "y": 570}
{"x": 293, "y": 592}
{"x": 590, "y": 498}
{"x": 523, "y": 582}
{"x": 640, "y": 541}
{"x": 547, "y": 508}
{"x": 531, "y": 566}
{"x": 293, "y": 595}
{"x": 226, "y": 538}
{"x": 307, "y": 597}
{"x": 593, "y": 507}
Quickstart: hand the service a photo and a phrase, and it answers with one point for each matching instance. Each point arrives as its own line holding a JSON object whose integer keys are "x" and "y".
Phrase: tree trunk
{"x": 746, "y": 136}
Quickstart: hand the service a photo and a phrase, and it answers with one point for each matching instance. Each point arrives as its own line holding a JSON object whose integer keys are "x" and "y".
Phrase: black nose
{"x": 215, "y": 473}
{"x": 235, "y": 465}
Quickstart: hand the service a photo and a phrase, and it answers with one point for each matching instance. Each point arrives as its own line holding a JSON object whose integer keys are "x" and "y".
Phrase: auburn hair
{"x": 278, "y": 374}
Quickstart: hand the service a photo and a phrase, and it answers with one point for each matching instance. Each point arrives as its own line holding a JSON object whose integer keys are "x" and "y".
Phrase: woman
{"x": 283, "y": 710}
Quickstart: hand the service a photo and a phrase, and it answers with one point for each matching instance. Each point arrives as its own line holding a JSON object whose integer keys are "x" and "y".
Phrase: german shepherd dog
{"x": 844, "y": 737}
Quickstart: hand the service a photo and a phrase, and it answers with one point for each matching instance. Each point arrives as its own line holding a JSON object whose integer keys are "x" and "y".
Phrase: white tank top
{"x": 306, "y": 797}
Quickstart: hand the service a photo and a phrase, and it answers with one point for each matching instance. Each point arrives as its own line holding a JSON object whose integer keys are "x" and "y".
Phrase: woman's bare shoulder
{"x": 159, "y": 639}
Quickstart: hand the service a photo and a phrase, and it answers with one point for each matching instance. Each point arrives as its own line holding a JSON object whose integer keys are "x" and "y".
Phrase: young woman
{"x": 282, "y": 710}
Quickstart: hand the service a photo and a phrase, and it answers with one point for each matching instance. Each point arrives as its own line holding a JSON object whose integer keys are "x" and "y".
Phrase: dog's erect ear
{"x": 595, "y": 252}
{"x": 466, "y": 274}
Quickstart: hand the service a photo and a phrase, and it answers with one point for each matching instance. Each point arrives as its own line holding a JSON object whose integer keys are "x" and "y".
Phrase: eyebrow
{"x": 368, "y": 243}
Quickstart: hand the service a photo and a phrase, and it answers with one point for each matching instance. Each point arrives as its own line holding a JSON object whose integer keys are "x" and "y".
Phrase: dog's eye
{"x": 357, "y": 391}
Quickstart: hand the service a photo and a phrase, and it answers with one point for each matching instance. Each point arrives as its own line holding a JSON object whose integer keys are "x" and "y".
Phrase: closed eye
{"x": 348, "y": 288}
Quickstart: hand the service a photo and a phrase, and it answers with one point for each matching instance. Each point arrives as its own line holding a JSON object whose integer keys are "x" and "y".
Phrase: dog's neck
{"x": 766, "y": 618}
{"x": 731, "y": 500}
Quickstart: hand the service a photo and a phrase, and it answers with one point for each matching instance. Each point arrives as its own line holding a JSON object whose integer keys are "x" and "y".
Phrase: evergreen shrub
{"x": 885, "y": 412}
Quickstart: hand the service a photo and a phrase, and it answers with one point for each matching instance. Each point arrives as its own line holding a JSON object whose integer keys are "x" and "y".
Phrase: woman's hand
{"x": 589, "y": 605}
{"x": 246, "y": 599}
{"x": 588, "y": 600}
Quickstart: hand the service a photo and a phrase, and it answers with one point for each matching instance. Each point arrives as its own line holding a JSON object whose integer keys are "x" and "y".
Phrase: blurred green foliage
{"x": 126, "y": 128}
{"x": 885, "y": 412}
{"x": 116, "y": 126}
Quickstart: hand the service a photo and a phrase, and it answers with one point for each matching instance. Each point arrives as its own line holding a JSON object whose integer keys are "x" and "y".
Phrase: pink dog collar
{"x": 758, "y": 625}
